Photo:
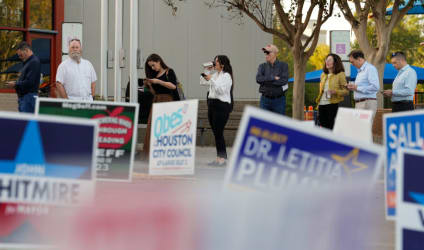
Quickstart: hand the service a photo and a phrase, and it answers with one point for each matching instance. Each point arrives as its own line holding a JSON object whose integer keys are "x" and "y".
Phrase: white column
{"x": 133, "y": 50}
{"x": 118, "y": 45}
{"x": 103, "y": 47}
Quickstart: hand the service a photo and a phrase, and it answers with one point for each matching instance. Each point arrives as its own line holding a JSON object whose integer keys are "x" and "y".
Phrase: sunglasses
{"x": 397, "y": 53}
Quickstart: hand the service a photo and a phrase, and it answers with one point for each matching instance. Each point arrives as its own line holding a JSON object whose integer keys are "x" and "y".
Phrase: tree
{"x": 405, "y": 37}
{"x": 384, "y": 25}
{"x": 294, "y": 20}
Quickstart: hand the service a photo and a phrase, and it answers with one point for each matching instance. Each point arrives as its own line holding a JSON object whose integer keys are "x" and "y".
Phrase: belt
{"x": 364, "y": 99}
{"x": 402, "y": 102}
{"x": 272, "y": 97}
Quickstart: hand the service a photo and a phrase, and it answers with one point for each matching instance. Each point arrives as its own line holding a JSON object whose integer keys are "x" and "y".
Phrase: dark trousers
{"x": 327, "y": 115}
{"x": 26, "y": 103}
{"x": 218, "y": 114}
{"x": 402, "y": 106}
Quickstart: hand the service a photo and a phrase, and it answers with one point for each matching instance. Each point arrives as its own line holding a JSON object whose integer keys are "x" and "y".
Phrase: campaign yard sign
{"x": 273, "y": 152}
{"x": 358, "y": 121}
{"x": 401, "y": 130}
{"x": 117, "y": 132}
{"x": 173, "y": 138}
{"x": 410, "y": 200}
{"x": 43, "y": 166}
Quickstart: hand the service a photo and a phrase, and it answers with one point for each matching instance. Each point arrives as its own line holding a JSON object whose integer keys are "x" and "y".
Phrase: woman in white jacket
{"x": 220, "y": 103}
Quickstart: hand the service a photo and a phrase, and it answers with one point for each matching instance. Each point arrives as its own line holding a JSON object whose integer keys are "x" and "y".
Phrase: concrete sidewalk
{"x": 202, "y": 171}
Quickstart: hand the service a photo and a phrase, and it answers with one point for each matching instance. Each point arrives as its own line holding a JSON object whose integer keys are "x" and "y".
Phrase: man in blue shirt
{"x": 273, "y": 78}
{"x": 29, "y": 80}
{"x": 404, "y": 84}
{"x": 366, "y": 83}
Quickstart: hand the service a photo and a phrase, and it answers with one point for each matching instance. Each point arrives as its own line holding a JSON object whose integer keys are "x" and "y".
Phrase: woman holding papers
{"x": 220, "y": 103}
{"x": 161, "y": 81}
{"x": 331, "y": 90}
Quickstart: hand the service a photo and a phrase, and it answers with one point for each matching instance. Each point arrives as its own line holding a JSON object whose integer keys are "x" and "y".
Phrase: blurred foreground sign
{"x": 45, "y": 163}
{"x": 273, "y": 152}
{"x": 410, "y": 201}
{"x": 401, "y": 130}
{"x": 173, "y": 138}
{"x": 117, "y": 132}
{"x": 354, "y": 123}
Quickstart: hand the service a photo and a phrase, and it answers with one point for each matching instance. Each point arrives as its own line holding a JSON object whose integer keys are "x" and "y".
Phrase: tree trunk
{"x": 299, "y": 61}
{"x": 380, "y": 67}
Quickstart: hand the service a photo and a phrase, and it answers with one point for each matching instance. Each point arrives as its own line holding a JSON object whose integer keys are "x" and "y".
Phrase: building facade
{"x": 194, "y": 35}
{"x": 39, "y": 23}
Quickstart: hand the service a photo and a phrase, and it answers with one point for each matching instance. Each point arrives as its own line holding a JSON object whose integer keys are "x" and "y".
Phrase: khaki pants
{"x": 368, "y": 104}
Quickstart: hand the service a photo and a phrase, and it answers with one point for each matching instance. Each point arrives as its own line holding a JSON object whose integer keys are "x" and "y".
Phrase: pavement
{"x": 202, "y": 172}
{"x": 382, "y": 233}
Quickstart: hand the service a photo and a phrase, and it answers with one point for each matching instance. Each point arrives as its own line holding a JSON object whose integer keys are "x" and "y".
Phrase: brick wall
{"x": 8, "y": 102}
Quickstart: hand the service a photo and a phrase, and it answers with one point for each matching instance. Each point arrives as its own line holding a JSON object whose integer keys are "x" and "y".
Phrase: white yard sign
{"x": 357, "y": 120}
{"x": 173, "y": 138}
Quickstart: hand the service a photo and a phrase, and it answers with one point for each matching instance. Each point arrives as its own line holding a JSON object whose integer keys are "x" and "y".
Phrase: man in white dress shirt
{"x": 75, "y": 77}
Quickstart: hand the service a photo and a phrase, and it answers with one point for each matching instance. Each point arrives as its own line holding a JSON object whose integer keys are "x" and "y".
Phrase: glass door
{"x": 42, "y": 46}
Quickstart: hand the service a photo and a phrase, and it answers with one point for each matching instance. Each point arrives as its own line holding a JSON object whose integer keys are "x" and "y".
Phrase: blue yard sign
{"x": 45, "y": 164}
{"x": 410, "y": 200}
{"x": 273, "y": 152}
{"x": 401, "y": 130}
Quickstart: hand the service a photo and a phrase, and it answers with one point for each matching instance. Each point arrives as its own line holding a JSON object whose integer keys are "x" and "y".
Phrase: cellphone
{"x": 203, "y": 75}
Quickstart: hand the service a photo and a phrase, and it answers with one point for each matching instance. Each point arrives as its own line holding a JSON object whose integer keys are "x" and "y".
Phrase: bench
{"x": 203, "y": 126}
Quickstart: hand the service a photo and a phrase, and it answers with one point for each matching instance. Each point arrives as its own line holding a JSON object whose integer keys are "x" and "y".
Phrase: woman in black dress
{"x": 161, "y": 81}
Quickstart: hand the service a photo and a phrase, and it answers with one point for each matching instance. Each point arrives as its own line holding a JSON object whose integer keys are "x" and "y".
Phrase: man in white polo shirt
{"x": 75, "y": 77}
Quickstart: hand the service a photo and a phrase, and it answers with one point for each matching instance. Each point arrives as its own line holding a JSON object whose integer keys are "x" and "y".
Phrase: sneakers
{"x": 217, "y": 164}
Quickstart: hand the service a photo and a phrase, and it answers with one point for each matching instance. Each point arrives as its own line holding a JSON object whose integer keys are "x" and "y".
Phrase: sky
{"x": 334, "y": 23}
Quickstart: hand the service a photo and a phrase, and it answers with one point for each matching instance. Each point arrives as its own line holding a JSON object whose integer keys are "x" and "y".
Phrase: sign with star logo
{"x": 410, "y": 200}
{"x": 117, "y": 132}
{"x": 401, "y": 130}
{"x": 173, "y": 138}
{"x": 45, "y": 164}
{"x": 273, "y": 152}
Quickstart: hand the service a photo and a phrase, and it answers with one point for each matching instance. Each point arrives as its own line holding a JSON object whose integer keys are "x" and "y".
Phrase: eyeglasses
{"x": 397, "y": 53}
{"x": 266, "y": 52}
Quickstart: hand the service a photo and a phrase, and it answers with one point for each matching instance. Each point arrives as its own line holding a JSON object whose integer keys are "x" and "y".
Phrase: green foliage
{"x": 311, "y": 93}
{"x": 405, "y": 37}
{"x": 317, "y": 59}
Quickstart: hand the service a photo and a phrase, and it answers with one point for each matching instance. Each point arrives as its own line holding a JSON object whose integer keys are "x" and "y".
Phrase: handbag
{"x": 177, "y": 93}
{"x": 180, "y": 91}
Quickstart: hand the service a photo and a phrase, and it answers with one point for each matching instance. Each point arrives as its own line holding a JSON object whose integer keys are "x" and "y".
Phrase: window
{"x": 33, "y": 21}
{"x": 12, "y": 13}
{"x": 41, "y": 14}
{"x": 9, "y": 61}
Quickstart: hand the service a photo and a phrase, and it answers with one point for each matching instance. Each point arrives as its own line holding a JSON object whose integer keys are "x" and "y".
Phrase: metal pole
{"x": 118, "y": 47}
{"x": 133, "y": 50}
{"x": 103, "y": 48}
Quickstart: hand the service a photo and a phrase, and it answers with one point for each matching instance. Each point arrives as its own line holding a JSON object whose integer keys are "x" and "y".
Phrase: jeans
{"x": 277, "y": 105}
{"x": 26, "y": 103}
